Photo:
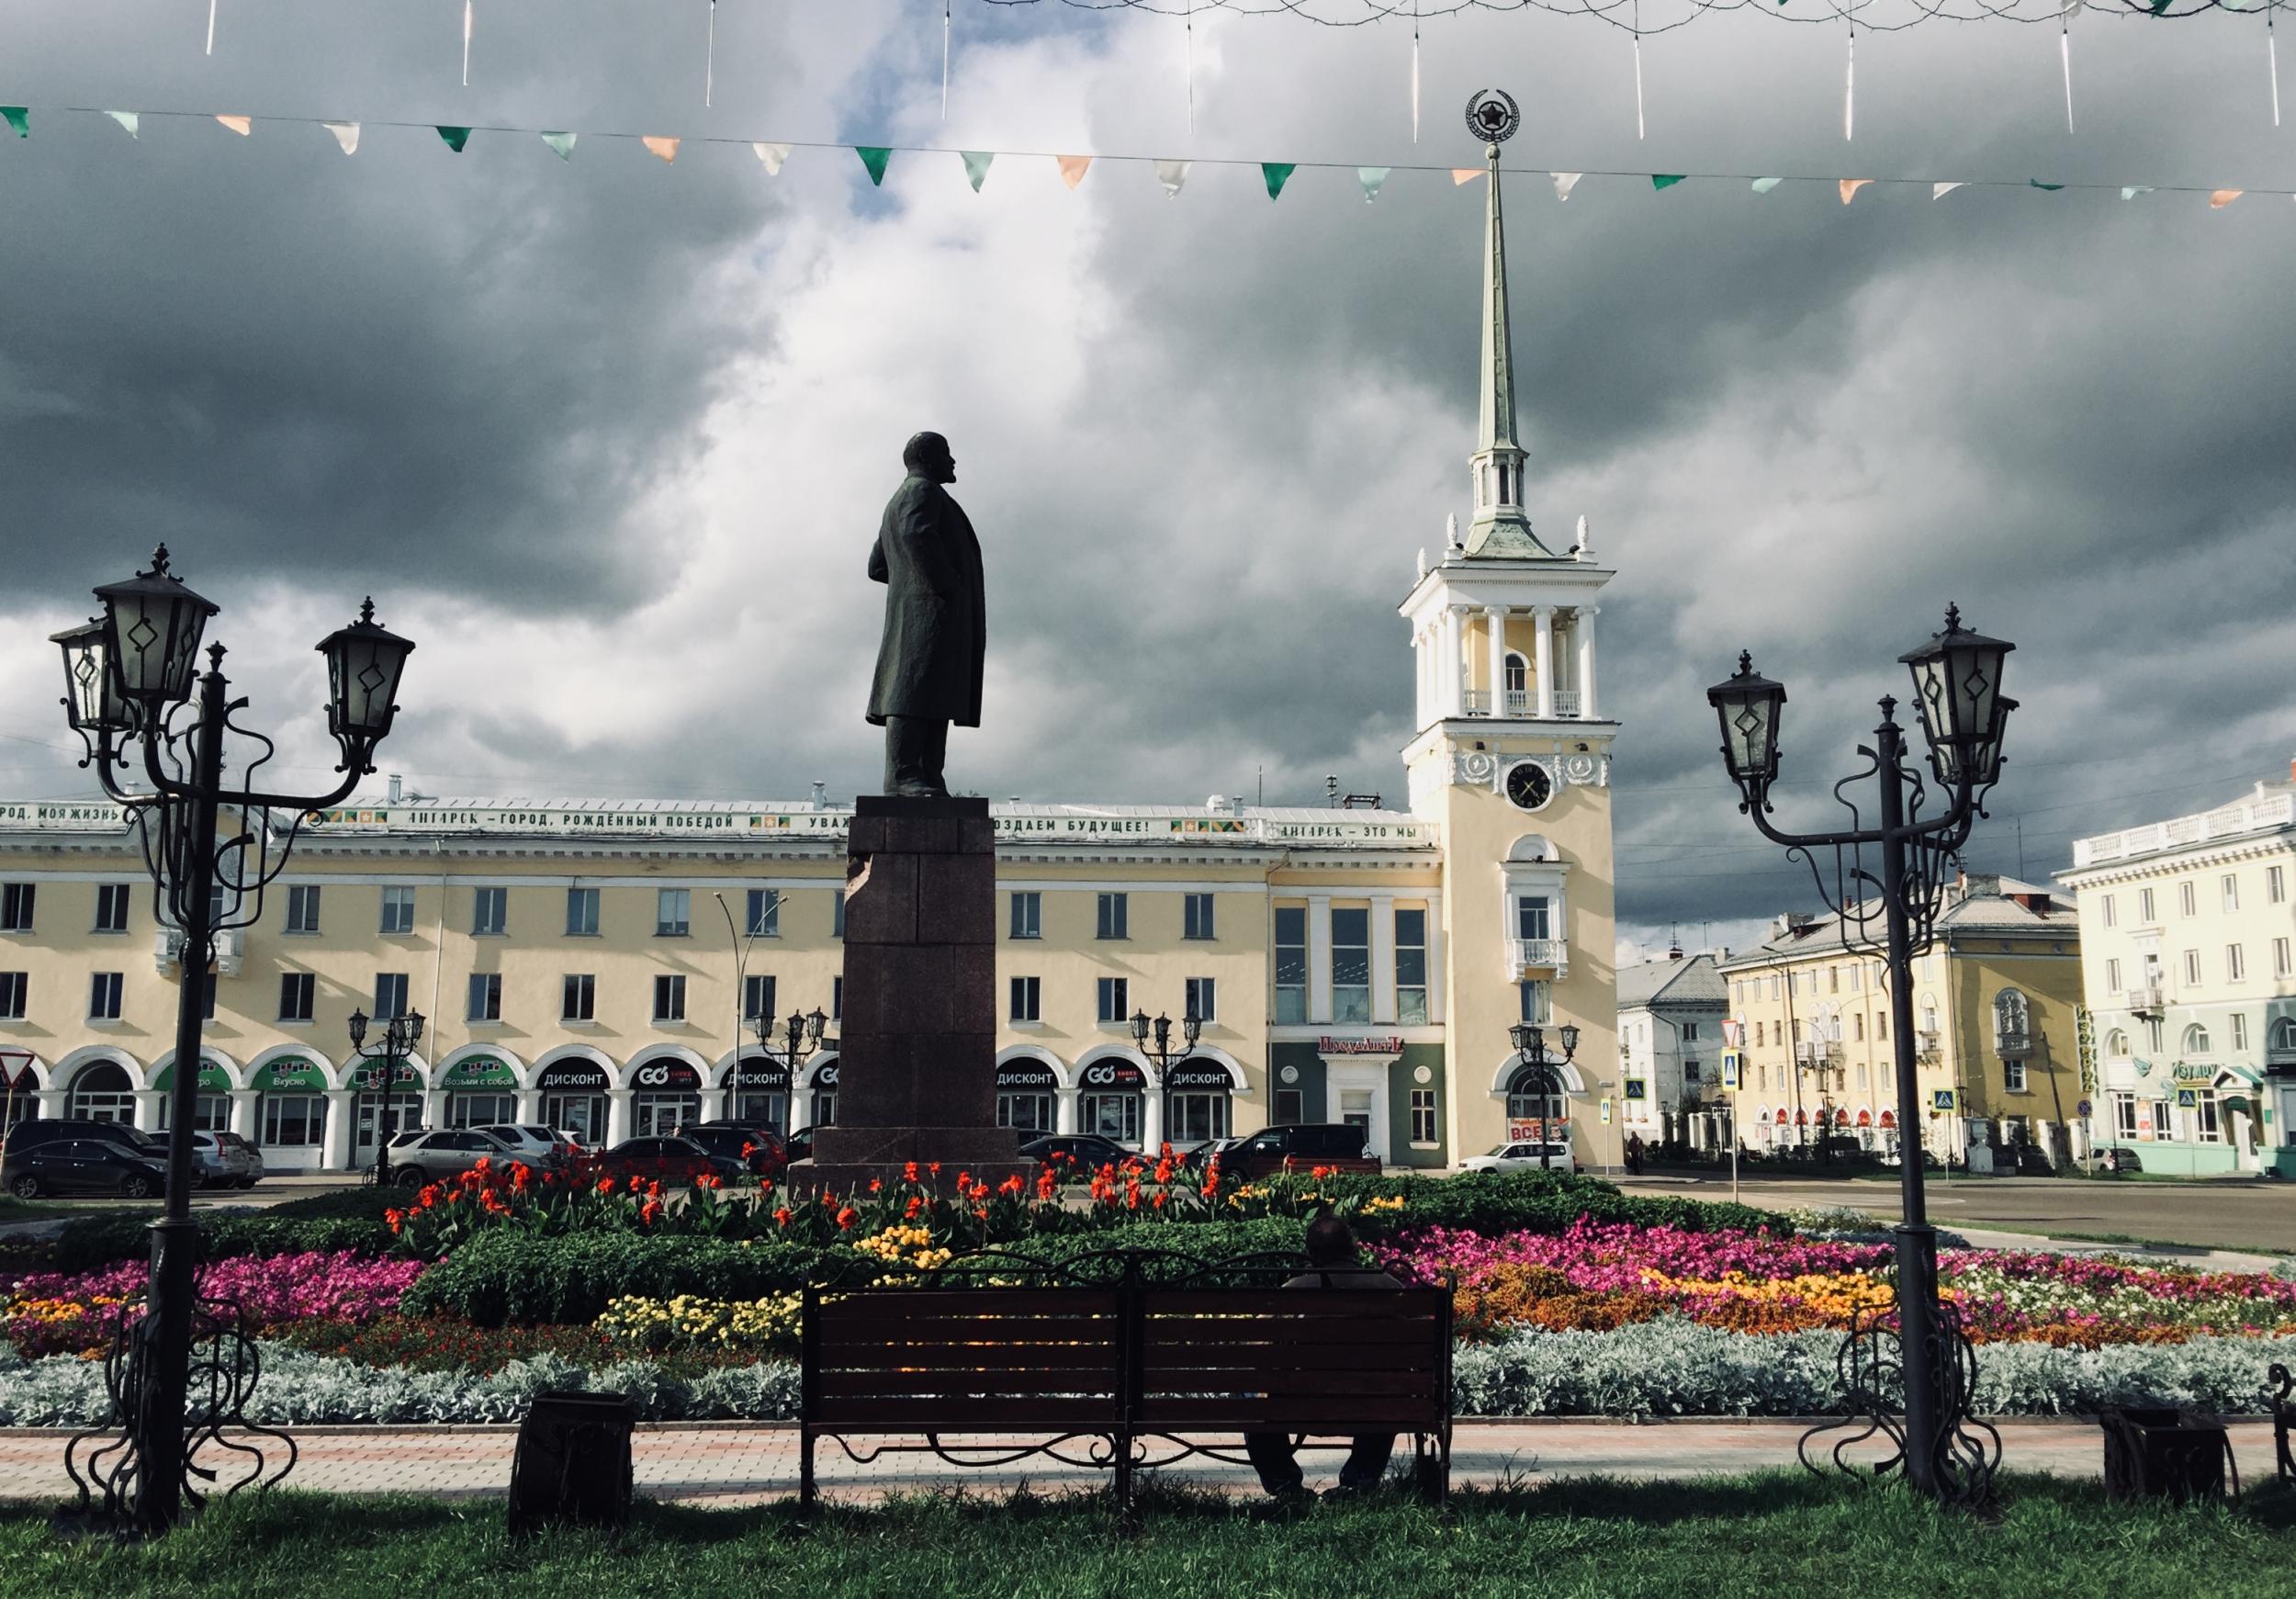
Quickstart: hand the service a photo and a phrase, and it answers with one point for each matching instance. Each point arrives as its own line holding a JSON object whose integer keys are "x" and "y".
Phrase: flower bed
{"x": 78, "y": 1312}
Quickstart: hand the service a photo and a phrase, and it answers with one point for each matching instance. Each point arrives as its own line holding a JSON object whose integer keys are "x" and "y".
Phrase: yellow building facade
{"x": 1995, "y": 1005}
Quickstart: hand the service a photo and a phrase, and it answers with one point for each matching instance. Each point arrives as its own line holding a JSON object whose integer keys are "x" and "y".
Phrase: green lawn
{"x": 1774, "y": 1536}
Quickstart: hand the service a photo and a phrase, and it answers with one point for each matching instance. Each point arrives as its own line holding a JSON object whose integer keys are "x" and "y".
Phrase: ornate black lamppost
{"x": 129, "y": 676}
{"x": 1530, "y": 1051}
{"x": 802, "y": 1035}
{"x": 1957, "y": 692}
{"x": 1160, "y": 1030}
{"x": 402, "y": 1035}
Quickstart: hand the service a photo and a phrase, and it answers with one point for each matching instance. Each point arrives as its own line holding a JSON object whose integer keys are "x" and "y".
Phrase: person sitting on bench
{"x": 1331, "y": 1251}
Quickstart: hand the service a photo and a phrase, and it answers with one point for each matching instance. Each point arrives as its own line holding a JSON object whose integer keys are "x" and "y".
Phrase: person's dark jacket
{"x": 928, "y": 664}
{"x": 1344, "y": 1277}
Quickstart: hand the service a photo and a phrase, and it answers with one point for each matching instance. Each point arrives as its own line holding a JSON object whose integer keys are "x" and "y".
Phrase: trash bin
{"x": 573, "y": 1462}
{"x": 2175, "y": 1454}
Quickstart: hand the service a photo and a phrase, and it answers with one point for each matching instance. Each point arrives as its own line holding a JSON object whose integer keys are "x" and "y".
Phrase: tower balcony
{"x": 1529, "y": 958}
{"x": 1522, "y": 704}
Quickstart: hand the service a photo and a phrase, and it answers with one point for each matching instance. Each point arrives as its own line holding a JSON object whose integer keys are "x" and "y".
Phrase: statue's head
{"x": 927, "y": 454}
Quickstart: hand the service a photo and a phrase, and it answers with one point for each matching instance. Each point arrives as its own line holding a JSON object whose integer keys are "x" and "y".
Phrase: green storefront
{"x": 291, "y": 1111}
{"x": 212, "y": 1109}
{"x": 481, "y": 1092}
{"x": 1393, "y": 1089}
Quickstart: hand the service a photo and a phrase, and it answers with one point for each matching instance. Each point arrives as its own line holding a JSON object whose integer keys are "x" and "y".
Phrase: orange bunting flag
{"x": 2223, "y": 198}
{"x": 1850, "y": 187}
{"x": 1073, "y": 168}
{"x": 242, "y": 126}
{"x": 1465, "y": 174}
{"x": 665, "y": 148}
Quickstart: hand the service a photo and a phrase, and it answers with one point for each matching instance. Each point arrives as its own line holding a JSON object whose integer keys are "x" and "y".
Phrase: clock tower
{"x": 1513, "y": 756}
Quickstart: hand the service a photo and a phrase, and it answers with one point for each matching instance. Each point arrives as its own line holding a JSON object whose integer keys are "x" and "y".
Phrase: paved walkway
{"x": 732, "y": 1464}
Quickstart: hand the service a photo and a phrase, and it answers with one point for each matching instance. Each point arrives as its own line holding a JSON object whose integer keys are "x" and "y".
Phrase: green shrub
{"x": 504, "y": 1279}
{"x": 364, "y": 1203}
{"x": 1494, "y": 1202}
{"x": 93, "y": 1241}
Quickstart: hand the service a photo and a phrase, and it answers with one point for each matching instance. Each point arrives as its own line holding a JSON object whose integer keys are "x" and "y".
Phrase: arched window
{"x": 2283, "y": 1035}
{"x": 101, "y": 1093}
{"x": 2013, "y": 1022}
{"x": 2195, "y": 1040}
{"x": 2117, "y": 1045}
{"x": 1538, "y": 1104}
{"x": 1518, "y": 681}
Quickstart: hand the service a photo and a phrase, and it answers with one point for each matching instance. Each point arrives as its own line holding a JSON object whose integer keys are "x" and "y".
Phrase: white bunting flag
{"x": 1173, "y": 175}
{"x": 562, "y": 144}
{"x": 1371, "y": 178}
{"x": 1762, "y": 185}
{"x": 346, "y": 134}
{"x": 1937, "y": 191}
{"x": 127, "y": 119}
{"x": 2133, "y": 190}
{"x": 772, "y": 156}
{"x": 465, "y": 43}
{"x": 1565, "y": 182}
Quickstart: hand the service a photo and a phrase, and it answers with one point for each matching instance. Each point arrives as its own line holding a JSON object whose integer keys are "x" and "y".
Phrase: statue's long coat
{"x": 936, "y": 611}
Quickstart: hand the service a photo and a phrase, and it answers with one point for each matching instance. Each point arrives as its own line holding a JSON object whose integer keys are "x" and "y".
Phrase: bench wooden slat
{"x": 1337, "y": 1415}
{"x": 861, "y": 1384}
{"x": 900, "y": 1304}
{"x": 1294, "y": 1384}
{"x": 1293, "y": 1357}
{"x": 948, "y": 1414}
{"x": 1205, "y": 1334}
{"x": 1354, "y": 1303}
{"x": 965, "y": 1330}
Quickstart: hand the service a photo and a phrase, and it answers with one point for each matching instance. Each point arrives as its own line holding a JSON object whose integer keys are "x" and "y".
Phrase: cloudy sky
{"x": 609, "y": 438}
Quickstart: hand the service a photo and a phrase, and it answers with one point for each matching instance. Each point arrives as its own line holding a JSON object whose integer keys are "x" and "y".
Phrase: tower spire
{"x": 1502, "y": 527}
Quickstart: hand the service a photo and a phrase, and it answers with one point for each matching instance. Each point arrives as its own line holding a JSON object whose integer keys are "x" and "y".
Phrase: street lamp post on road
{"x": 402, "y": 1035}
{"x": 136, "y": 696}
{"x": 803, "y": 1036}
{"x": 1160, "y": 1030}
{"x": 1530, "y": 1050}
{"x": 1957, "y": 679}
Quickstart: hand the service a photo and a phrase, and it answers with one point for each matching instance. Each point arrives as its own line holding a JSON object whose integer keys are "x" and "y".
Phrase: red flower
{"x": 1165, "y": 1149}
{"x": 915, "y": 1205}
{"x": 605, "y": 1185}
{"x": 908, "y": 1172}
{"x": 782, "y": 1214}
{"x": 649, "y": 1212}
{"x": 847, "y": 1217}
{"x": 1046, "y": 1185}
{"x": 1012, "y": 1185}
{"x": 1163, "y": 1168}
{"x": 875, "y": 1184}
{"x": 1158, "y": 1202}
{"x": 934, "y": 1167}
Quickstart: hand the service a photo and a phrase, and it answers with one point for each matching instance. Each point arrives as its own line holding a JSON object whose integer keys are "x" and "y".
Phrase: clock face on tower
{"x": 1528, "y": 786}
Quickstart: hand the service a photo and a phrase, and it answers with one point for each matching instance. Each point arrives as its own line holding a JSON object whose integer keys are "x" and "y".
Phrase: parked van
{"x": 1301, "y": 1147}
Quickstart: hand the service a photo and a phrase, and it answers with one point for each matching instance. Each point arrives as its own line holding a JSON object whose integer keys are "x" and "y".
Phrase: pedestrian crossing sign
{"x": 1731, "y": 1059}
{"x": 1944, "y": 1101}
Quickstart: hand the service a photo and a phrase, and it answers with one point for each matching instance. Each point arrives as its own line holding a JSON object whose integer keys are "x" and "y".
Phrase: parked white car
{"x": 225, "y": 1160}
{"x": 537, "y": 1145}
{"x": 1523, "y": 1157}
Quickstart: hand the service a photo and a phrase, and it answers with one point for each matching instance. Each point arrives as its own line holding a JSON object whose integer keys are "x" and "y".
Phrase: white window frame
{"x": 490, "y": 912}
{"x": 303, "y": 904}
{"x": 1112, "y": 917}
{"x": 1028, "y": 915}
{"x": 306, "y": 984}
{"x": 581, "y": 913}
{"x": 1113, "y": 1000}
{"x": 384, "y": 1011}
{"x": 669, "y": 998}
{"x": 107, "y": 994}
{"x": 757, "y": 997}
{"x": 483, "y": 1002}
{"x": 578, "y": 997}
{"x": 397, "y": 906}
{"x": 1198, "y": 917}
{"x": 2229, "y": 887}
{"x": 2236, "y": 964}
{"x": 674, "y": 913}
{"x": 763, "y": 906}
{"x": 1201, "y": 996}
{"x": 1026, "y": 1001}
{"x": 112, "y": 903}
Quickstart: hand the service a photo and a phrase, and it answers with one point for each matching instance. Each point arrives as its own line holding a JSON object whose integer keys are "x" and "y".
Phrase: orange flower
{"x": 875, "y": 1184}
{"x": 1012, "y": 1185}
{"x": 934, "y": 1167}
{"x": 1157, "y": 1203}
{"x": 964, "y": 1181}
{"x": 1163, "y": 1170}
{"x": 649, "y": 1212}
{"x": 1046, "y": 1185}
{"x": 915, "y": 1205}
{"x": 782, "y": 1214}
{"x": 605, "y": 1185}
{"x": 848, "y": 1216}
{"x": 908, "y": 1172}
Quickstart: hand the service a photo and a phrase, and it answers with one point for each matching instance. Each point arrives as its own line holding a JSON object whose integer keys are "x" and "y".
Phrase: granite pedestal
{"x": 916, "y": 1062}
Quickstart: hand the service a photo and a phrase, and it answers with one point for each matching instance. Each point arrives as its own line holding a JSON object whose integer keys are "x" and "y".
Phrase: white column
{"x": 1438, "y": 965}
{"x": 1583, "y": 630}
{"x": 147, "y": 1102}
{"x": 1495, "y": 655}
{"x": 435, "y": 1108}
{"x": 617, "y": 1115}
{"x": 530, "y": 1105}
{"x": 712, "y": 1104}
{"x": 53, "y": 1103}
{"x": 334, "y": 1142}
{"x": 1543, "y": 621}
{"x": 1065, "y": 1110}
{"x": 1454, "y": 662}
{"x": 1320, "y": 957}
{"x": 1383, "y": 958}
{"x": 243, "y": 1112}
{"x": 1151, "y": 1120}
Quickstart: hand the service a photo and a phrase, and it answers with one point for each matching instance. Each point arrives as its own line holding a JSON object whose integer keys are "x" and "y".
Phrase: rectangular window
{"x": 302, "y": 908}
{"x": 1290, "y": 1106}
{"x": 1534, "y": 917}
{"x": 294, "y": 1121}
{"x": 580, "y": 1001}
{"x": 1857, "y": 1027}
{"x": 490, "y": 912}
{"x": 2236, "y": 964}
{"x": 1115, "y": 917}
{"x": 1202, "y": 1001}
{"x": 1689, "y": 1032}
{"x": 2240, "y": 1030}
{"x": 1114, "y": 1003}
{"x": 1423, "y": 1116}
{"x": 1196, "y": 920}
{"x": 2205, "y": 1126}
{"x": 1857, "y": 979}
{"x": 765, "y": 913}
{"x": 1027, "y": 997}
{"x": 111, "y": 908}
{"x": 1292, "y": 963}
{"x": 1027, "y": 916}
{"x": 1761, "y": 1034}
{"x": 398, "y": 918}
{"x": 1690, "y": 1071}
{"x": 673, "y": 909}
{"x": 837, "y": 914}
{"x": 2144, "y": 905}
{"x": 1411, "y": 968}
{"x": 16, "y": 907}
{"x": 1538, "y": 1002}
{"x": 103, "y": 995}
{"x": 15, "y": 987}
{"x": 669, "y": 998}
{"x": 298, "y": 992}
{"x": 2013, "y": 1077}
{"x": 390, "y": 994}
{"x": 2184, "y": 898}
{"x": 2275, "y": 887}
{"x": 2279, "y": 958}
{"x": 581, "y": 913}
{"x": 486, "y": 996}
{"x": 837, "y": 998}
{"x": 2192, "y": 966}
{"x": 2112, "y": 976}
{"x": 1833, "y": 979}
{"x": 2229, "y": 887}
{"x": 2124, "y": 1115}
{"x": 1351, "y": 966}
{"x": 757, "y": 997}
{"x": 2108, "y": 911}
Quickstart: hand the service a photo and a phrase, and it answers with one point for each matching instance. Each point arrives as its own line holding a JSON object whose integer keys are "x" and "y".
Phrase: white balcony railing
{"x": 1537, "y": 955}
{"x": 1478, "y": 702}
{"x": 2146, "y": 1001}
{"x": 2225, "y": 822}
{"x": 1520, "y": 703}
{"x": 1566, "y": 703}
{"x": 231, "y": 950}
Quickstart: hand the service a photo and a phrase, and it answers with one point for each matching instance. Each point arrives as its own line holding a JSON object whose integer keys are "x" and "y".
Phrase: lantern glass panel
{"x": 364, "y": 664}
{"x": 93, "y": 702}
{"x": 1749, "y": 704}
{"x": 152, "y": 625}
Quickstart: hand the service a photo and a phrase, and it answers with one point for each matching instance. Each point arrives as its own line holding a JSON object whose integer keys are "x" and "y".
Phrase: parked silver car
{"x": 538, "y": 1146}
{"x": 225, "y": 1160}
{"x": 440, "y": 1156}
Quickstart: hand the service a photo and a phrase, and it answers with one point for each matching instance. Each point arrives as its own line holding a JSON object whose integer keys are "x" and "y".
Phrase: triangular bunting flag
{"x": 1937, "y": 191}
{"x": 1461, "y": 176}
{"x": 456, "y": 138}
{"x": 873, "y": 157}
{"x": 1762, "y": 185}
{"x": 561, "y": 145}
{"x": 2052, "y": 187}
{"x": 772, "y": 156}
{"x": 1850, "y": 187}
{"x": 1564, "y": 183}
{"x": 18, "y": 118}
{"x": 242, "y": 126}
{"x": 1073, "y": 168}
{"x": 1276, "y": 174}
{"x": 976, "y": 166}
{"x": 2133, "y": 191}
{"x": 1173, "y": 175}
{"x": 665, "y": 148}
{"x": 1666, "y": 180}
{"x": 2223, "y": 198}
{"x": 1371, "y": 178}
{"x": 346, "y": 134}
{"x": 127, "y": 119}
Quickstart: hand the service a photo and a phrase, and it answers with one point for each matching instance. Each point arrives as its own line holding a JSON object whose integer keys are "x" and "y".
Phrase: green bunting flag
{"x": 18, "y": 118}
{"x": 873, "y": 157}
{"x": 1666, "y": 180}
{"x": 456, "y": 138}
{"x": 127, "y": 119}
{"x": 976, "y": 166}
{"x": 2052, "y": 187}
{"x": 1277, "y": 174}
{"x": 562, "y": 144}
{"x": 1762, "y": 185}
{"x": 1371, "y": 178}
{"x": 2130, "y": 191}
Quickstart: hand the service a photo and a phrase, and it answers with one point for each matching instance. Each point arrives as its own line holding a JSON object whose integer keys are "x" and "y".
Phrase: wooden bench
{"x": 1095, "y": 1375}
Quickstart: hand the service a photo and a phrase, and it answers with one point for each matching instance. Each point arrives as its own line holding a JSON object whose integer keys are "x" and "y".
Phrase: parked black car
{"x": 1084, "y": 1151}
{"x": 25, "y": 1134}
{"x": 797, "y": 1146}
{"x": 81, "y": 1166}
{"x": 759, "y": 1149}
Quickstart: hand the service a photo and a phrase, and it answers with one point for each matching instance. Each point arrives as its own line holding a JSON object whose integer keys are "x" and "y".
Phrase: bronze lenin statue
{"x": 929, "y": 663}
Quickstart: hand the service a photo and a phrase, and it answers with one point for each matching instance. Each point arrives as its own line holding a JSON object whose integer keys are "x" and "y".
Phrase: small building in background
{"x": 1670, "y": 1045}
